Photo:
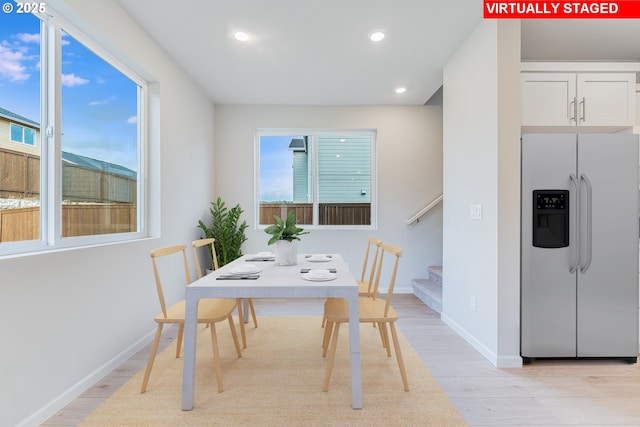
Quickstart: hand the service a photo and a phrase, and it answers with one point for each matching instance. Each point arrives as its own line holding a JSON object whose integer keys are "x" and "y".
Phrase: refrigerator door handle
{"x": 576, "y": 252}
{"x": 589, "y": 204}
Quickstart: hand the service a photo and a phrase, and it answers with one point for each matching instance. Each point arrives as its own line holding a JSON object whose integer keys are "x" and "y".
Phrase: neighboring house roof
{"x": 17, "y": 118}
{"x": 297, "y": 145}
{"x": 88, "y": 162}
{"x": 74, "y": 159}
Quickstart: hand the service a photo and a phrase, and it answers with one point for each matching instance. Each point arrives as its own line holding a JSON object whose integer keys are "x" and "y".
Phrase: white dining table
{"x": 274, "y": 281}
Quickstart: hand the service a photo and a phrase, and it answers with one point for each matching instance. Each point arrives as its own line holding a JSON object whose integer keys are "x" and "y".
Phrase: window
{"x": 22, "y": 134}
{"x": 78, "y": 114}
{"x": 327, "y": 177}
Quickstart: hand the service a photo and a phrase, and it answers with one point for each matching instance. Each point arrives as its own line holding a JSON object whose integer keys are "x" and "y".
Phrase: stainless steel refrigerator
{"x": 579, "y": 254}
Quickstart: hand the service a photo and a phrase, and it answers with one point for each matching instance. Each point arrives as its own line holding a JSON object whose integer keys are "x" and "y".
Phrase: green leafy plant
{"x": 225, "y": 229}
{"x": 285, "y": 230}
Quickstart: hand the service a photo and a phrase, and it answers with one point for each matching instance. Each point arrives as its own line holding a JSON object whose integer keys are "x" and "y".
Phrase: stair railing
{"x": 417, "y": 216}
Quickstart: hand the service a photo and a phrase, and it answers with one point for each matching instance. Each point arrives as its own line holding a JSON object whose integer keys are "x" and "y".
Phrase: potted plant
{"x": 285, "y": 235}
{"x": 225, "y": 228}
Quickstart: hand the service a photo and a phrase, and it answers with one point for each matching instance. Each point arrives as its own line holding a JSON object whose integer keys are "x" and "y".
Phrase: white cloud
{"x": 102, "y": 102}
{"x": 71, "y": 80}
{"x": 11, "y": 65}
{"x": 28, "y": 38}
{"x": 132, "y": 120}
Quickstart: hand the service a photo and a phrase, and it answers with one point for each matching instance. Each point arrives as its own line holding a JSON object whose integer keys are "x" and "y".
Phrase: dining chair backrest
{"x": 396, "y": 252}
{"x": 162, "y": 252}
{"x": 371, "y": 242}
{"x": 212, "y": 253}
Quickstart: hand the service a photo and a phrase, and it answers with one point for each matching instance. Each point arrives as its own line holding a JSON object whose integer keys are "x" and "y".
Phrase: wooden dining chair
{"x": 371, "y": 310}
{"x": 214, "y": 264}
{"x": 365, "y": 284}
{"x": 210, "y": 311}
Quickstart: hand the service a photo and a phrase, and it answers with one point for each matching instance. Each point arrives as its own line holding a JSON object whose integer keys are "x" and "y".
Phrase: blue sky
{"x": 276, "y": 174}
{"x": 99, "y": 104}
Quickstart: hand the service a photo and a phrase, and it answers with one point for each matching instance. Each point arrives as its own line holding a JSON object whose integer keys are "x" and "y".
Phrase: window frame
{"x": 52, "y": 23}
{"x": 315, "y": 133}
{"x": 23, "y": 129}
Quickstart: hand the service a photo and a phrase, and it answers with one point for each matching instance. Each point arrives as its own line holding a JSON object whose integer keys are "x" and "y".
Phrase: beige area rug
{"x": 278, "y": 382}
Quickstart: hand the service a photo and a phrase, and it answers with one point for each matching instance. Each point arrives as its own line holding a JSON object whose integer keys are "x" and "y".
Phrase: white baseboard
{"x": 404, "y": 289}
{"x": 509, "y": 361}
{"x": 53, "y": 407}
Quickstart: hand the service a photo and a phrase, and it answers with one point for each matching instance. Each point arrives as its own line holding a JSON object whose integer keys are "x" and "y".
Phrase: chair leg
{"x": 232, "y": 326}
{"x": 241, "y": 321}
{"x": 396, "y": 344}
{"x": 385, "y": 337}
{"x": 327, "y": 337}
{"x": 253, "y": 313}
{"x": 216, "y": 356}
{"x": 152, "y": 358}
{"x": 385, "y": 343}
{"x": 332, "y": 356}
{"x": 179, "y": 340}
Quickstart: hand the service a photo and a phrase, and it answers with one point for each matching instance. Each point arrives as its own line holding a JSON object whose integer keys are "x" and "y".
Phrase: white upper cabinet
{"x": 578, "y": 99}
{"x": 606, "y": 99}
{"x": 548, "y": 99}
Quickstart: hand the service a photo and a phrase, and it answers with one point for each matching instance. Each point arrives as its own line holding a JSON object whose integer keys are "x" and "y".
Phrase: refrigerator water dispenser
{"x": 550, "y": 218}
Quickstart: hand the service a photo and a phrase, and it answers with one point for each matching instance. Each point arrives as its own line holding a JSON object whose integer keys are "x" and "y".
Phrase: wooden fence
{"x": 77, "y": 220}
{"x": 19, "y": 174}
{"x": 20, "y": 178}
{"x": 96, "y": 218}
{"x": 328, "y": 213}
{"x": 304, "y": 212}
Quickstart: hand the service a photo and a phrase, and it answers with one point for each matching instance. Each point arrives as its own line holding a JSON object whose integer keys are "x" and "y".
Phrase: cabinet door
{"x": 606, "y": 99}
{"x": 548, "y": 99}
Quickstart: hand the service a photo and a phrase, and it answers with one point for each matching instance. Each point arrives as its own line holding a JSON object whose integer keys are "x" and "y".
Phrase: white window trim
{"x": 316, "y": 132}
{"x": 50, "y": 157}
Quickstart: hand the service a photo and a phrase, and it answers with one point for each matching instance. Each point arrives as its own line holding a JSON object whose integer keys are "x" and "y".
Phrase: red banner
{"x": 589, "y": 9}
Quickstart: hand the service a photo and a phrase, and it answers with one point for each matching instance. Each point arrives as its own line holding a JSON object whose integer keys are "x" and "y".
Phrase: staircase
{"x": 429, "y": 291}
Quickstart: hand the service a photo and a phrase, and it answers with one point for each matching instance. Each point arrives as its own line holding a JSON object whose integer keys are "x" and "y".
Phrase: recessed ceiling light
{"x": 401, "y": 89}
{"x": 241, "y": 36}
{"x": 376, "y": 36}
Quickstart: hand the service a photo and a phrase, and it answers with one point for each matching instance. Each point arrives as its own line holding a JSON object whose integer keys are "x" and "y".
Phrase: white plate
{"x": 245, "y": 269}
{"x": 265, "y": 255}
{"x": 319, "y": 275}
{"x": 319, "y": 258}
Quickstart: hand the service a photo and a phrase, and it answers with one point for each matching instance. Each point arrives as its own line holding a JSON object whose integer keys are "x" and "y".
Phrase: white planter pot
{"x": 286, "y": 252}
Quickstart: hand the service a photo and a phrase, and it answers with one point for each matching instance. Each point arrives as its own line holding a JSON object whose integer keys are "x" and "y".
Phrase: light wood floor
{"x": 545, "y": 393}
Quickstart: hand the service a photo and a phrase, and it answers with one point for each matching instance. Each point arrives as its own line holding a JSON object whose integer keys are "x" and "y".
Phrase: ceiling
{"x": 318, "y": 53}
{"x": 304, "y": 52}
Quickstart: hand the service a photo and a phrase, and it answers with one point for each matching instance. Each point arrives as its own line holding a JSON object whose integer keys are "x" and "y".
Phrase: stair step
{"x": 435, "y": 273}
{"x": 429, "y": 292}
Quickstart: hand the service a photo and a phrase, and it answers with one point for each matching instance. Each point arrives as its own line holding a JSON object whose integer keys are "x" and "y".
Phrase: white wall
{"x": 71, "y": 316}
{"x": 409, "y": 144}
{"x": 481, "y": 167}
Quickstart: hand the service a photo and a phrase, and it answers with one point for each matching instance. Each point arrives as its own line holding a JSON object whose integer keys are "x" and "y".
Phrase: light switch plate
{"x": 476, "y": 211}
